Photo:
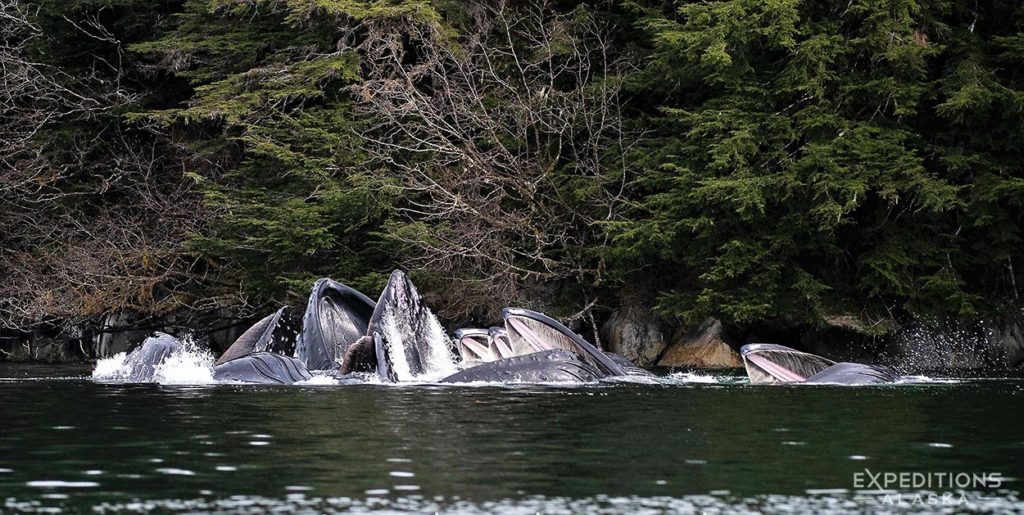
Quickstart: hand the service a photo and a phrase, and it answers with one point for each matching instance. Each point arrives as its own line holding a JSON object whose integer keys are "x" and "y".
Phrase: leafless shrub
{"x": 508, "y": 145}
{"x": 79, "y": 239}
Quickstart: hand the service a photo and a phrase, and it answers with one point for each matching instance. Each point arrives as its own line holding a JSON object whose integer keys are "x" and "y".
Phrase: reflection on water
{"x": 697, "y": 443}
{"x": 813, "y": 502}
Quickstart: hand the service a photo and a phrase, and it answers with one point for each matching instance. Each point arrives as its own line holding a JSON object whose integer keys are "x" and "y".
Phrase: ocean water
{"x": 694, "y": 442}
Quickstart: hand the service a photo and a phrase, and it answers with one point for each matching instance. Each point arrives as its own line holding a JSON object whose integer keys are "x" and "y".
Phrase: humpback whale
{"x": 409, "y": 341}
{"x": 769, "y": 363}
{"x": 336, "y": 317}
{"x": 141, "y": 364}
{"x": 271, "y": 334}
{"x": 547, "y": 366}
{"x": 262, "y": 354}
{"x": 531, "y": 331}
{"x": 262, "y": 367}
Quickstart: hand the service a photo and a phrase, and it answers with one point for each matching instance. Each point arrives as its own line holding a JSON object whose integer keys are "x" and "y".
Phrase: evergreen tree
{"x": 783, "y": 162}
{"x": 272, "y": 140}
{"x": 815, "y": 162}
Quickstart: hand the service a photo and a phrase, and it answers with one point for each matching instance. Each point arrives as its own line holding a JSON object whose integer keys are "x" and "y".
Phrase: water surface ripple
{"x": 696, "y": 443}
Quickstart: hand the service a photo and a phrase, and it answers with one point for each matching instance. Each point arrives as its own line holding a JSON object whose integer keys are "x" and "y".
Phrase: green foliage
{"x": 815, "y": 160}
{"x": 786, "y": 162}
{"x": 274, "y": 144}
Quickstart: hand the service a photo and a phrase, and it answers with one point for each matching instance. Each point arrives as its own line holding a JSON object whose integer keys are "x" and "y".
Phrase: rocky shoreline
{"x": 989, "y": 343}
{"x": 632, "y": 330}
{"x": 115, "y": 333}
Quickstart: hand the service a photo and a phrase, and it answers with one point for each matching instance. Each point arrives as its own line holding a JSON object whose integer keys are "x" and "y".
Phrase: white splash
{"x": 190, "y": 364}
{"x": 930, "y": 345}
{"x": 395, "y": 332}
{"x": 319, "y": 380}
{"x": 438, "y": 363}
{"x": 48, "y": 483}
{"x": 693, "y": 377}
{"x": 175, "y": 472}
{"x": 112, "y": 367}
{"x": 441, "y": 362}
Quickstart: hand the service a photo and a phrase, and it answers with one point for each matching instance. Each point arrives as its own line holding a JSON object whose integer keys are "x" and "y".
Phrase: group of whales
{"x": 400, "y": 340}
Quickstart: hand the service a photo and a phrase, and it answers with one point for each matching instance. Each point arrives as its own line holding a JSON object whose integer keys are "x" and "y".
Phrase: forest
{"x": 768, "y": 163}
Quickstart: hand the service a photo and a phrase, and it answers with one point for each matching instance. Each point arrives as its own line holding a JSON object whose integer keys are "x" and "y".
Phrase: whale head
{"x": 770, "y": 363}
{"x": 336, "y": 317}
{"x": 275, "y": 333}
{"x": 531, "y": 331}
{"x": 409, "y": 340}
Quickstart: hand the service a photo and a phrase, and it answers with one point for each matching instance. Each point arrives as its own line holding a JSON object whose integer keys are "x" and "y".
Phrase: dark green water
{"x": 69, "y": 443}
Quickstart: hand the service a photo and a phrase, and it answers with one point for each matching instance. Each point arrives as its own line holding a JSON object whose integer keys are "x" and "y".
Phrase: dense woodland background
{"x": 777, "y": 163}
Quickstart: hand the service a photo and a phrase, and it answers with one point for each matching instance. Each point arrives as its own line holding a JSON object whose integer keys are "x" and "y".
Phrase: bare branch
{"x": 501, "y": 141}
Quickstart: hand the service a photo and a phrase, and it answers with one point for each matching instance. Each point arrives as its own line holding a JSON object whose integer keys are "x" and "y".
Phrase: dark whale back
{"x": 853, "y": 373}
{"x": 550, "y": 366}
{"x": 262, "y": 368}
{"x": 142, "y": 362}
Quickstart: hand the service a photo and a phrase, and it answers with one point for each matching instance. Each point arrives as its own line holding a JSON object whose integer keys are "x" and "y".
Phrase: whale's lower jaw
{"x": 550, "y": 366}
{"x": 262, "y": 368}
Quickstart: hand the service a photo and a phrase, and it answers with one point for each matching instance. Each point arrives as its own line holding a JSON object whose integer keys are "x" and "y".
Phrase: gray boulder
{"x": 704, "y": 346}
{"x": 634, "y": 333}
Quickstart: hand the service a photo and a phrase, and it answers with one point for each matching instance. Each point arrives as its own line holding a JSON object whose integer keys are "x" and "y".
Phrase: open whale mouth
{"x": 769, "y": 363}
{"x": 336, "y": 317}
{"x": 530, "y": 331}
{"x": 499, "y": 343}
{"x": 475, "y": 346}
